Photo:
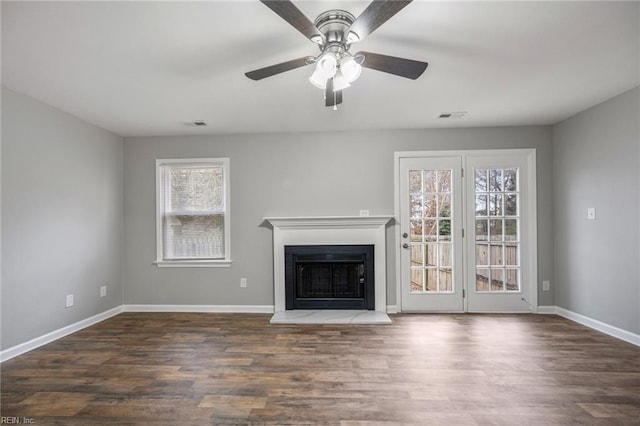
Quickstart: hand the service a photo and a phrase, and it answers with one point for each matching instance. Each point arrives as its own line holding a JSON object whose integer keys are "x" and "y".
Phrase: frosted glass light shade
{"x": 327, "y": 65}
{"x": 350, "y": 69}
{"x": 340, "y": 82}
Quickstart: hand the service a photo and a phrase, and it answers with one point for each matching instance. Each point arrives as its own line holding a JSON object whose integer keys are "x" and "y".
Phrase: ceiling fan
{"x": 334, "y": 31}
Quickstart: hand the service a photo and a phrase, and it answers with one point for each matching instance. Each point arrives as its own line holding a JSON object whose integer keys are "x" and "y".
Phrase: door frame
{"x": 532, "y": 229}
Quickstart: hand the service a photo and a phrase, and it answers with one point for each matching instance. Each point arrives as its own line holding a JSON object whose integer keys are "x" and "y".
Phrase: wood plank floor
{"x": 237, "y": 369}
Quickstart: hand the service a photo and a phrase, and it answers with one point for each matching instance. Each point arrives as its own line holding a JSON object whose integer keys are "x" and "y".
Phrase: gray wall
{"x": 290, "y": 175}
{"x": 62, "y": 218}
{"x": 597, "y": 164}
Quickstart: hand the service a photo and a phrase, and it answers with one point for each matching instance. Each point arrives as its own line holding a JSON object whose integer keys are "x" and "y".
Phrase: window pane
{"x": 194, "y": 236}
{"x": 195, "y": 189}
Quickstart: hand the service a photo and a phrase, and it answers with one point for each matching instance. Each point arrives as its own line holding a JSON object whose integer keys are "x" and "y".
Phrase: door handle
{"x": 405, "y": 245}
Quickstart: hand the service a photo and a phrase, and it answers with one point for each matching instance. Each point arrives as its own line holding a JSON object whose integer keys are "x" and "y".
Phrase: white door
{"x": 500, "y": 211}
{"x": 431, "y": 237}
{"x": 487, "y": 195}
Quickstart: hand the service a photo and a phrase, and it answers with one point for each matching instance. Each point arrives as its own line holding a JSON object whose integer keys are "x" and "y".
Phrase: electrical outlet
{"x": 103, "y": 291}
{"x": 69, "y": 301}
{"x": 364, "y": 212}
{"x": 243, "y": 282}
{"x": 546, "y": 285}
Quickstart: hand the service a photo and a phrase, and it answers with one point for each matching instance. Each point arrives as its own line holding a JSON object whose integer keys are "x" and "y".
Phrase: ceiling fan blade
{"x": 290, "y": 13}
{"x": 376, "y": 14}
{"x": 265, "y": 72}
{"x": 402, "y": 67}
{"x": 332, "y": 98}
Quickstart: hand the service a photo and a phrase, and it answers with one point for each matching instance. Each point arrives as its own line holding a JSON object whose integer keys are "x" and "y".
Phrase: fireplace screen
{"x": 329, "y": 277}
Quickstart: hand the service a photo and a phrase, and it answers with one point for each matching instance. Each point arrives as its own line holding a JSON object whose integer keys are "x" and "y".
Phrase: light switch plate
{"x": 591, "y": 213}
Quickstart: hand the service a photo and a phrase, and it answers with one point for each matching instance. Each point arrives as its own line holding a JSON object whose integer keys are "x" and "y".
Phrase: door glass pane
{"x": 481, "y": 205}
{"x": 482, "y": 279}
{"x": 417, "y": 254}
{"x": 431, "y": 247}
{"x": 416, "y": 230}
{"x": 415, "y": 181}
{"x": 482, "y": 230}
{"x": 432, "y": 254}
{"x": 495, "y": 229}
{"x": 481, "y": 180}
{"x": 416, "y": 280}
{"x": 498, "y": 263}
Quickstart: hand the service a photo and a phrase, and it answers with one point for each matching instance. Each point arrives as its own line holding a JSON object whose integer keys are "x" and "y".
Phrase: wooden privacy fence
{"x": 432, "y": 267}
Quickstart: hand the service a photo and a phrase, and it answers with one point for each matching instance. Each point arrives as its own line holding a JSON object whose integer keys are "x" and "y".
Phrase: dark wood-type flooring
{"x": 237, "y": 369}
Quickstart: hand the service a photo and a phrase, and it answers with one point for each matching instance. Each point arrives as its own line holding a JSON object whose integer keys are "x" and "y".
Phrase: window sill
{"x": 192, "y": 263}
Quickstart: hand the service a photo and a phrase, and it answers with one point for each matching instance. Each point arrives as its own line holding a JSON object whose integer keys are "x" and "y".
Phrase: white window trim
{"x": 193, "y": 263}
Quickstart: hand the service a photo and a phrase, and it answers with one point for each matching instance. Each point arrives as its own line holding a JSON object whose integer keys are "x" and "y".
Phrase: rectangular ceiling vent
{"x": 458, "y": 114}
{"x": 199, "y": 123}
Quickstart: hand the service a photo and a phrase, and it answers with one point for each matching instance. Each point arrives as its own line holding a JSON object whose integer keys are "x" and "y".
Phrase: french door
{"x": 467, "y": 231}
{"x": 431, "y": 239}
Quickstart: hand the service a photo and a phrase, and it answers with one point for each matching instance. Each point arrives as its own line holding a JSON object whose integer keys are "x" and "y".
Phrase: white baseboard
{"x": 392, "y": 309}
{"x": 245, "y": 309}
{"x": 594, "y": 324}
{"x": 547, "y": 310}
{"x": 32, "y": 344}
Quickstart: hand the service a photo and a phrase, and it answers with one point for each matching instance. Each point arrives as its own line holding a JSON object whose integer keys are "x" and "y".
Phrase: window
{"x": 192, "y": 212}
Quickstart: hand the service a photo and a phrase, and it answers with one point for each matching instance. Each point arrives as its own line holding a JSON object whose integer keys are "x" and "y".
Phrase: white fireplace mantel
{"x": 326, "y": 230}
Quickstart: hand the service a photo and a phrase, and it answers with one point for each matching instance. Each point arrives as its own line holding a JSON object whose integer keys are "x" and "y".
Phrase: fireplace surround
{"x": 330, "y": 230}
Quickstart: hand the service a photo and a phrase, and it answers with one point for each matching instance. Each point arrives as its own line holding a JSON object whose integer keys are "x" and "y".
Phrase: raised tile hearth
{"x": 329, "y": 316}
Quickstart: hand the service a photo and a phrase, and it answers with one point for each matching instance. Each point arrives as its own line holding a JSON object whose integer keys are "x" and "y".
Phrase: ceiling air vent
{"x": 458, "y": 114}
{"x": 199, "y": 123}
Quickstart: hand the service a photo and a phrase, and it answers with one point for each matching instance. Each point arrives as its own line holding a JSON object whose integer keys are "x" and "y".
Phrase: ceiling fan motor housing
{"x": 334, "y": 24}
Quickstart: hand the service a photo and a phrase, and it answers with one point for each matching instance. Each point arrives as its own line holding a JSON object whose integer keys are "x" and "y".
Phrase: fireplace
{"x": 329, "y": 277}
{"x": 331, "y": 231}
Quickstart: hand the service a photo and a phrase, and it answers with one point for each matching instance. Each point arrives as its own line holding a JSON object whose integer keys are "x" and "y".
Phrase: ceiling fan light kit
{"x": 334, "y": 31}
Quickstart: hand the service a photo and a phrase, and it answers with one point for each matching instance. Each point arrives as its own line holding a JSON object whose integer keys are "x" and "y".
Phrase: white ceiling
{"x": 152, "y": 68}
